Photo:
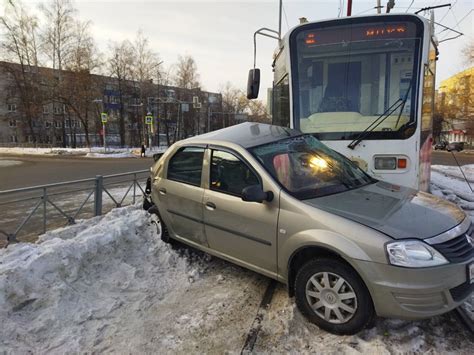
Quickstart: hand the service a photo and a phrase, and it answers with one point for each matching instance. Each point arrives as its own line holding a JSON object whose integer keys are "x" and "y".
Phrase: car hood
{"x": 397, "y": 211}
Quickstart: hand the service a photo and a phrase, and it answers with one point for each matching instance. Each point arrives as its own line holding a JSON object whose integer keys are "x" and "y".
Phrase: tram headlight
{"x": 385, "y": 163}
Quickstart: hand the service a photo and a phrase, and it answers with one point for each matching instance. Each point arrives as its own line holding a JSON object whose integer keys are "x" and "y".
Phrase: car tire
{"x": 165, "y": 234}
{"x": 353, "y": 313}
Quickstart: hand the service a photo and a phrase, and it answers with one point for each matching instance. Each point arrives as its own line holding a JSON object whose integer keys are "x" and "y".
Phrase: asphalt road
{"x": 441, "y": 157}
{"x": 36, "y": 170}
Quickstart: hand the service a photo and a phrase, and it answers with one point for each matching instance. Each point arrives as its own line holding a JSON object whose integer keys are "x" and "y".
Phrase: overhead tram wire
{"x": 459, "y": 34}
{"x": 409, "y": 7}
{"x": 450, "y": 9}
{"x": 286, "y": 18}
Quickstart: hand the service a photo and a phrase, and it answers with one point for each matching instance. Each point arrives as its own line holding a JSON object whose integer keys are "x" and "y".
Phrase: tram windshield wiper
{"x": 399, "y": 103}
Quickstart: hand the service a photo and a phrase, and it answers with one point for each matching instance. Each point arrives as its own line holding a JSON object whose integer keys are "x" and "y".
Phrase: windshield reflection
{"x": 307, "y": 168}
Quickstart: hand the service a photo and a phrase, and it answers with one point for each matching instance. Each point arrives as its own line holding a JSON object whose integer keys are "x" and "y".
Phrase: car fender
{"x": 331, "y": 241}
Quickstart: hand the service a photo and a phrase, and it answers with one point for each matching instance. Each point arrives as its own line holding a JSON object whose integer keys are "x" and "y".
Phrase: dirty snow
{"x": 6, "y": 163}
{"x": 108, "y": 284}
{"x": 455, "y": 171}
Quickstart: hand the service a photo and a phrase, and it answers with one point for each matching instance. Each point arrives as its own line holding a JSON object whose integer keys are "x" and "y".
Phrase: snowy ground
{"x": 94, "y": 152}
{"x": 108, "y": 284}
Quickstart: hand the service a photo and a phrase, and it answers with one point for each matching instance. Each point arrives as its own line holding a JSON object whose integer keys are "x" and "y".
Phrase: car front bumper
{"x": 407, "y": 293}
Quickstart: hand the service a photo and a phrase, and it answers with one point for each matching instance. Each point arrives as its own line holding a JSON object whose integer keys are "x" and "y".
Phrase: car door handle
{"x": 162, "y": 191}
{"x": 210, "y": 206}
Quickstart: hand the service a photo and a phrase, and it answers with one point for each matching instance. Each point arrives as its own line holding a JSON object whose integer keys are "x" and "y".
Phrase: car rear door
{"x": 181, "y": 194}
{"x": 238, "y": 229}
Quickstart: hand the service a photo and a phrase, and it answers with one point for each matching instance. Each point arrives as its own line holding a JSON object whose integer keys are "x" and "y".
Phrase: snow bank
{"x": 109, "y": 284}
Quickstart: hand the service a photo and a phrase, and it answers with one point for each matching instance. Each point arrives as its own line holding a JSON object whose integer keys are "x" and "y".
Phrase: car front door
{"x": 241, "y": 230}
{"x": 181, "y": 194}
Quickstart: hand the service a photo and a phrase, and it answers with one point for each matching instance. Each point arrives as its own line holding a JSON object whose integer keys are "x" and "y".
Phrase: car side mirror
{"x": 253, "y": 84}
{"x": 255, "y": 193}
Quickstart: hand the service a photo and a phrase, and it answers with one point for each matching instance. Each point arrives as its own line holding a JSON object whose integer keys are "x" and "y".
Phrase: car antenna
{"x": 462, "y": 172}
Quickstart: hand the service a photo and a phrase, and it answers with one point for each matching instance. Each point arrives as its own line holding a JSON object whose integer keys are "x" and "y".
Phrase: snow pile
{"x": 454, "y": 171}
{"x": 109, "y": 284}
{"x": 452, "y": 188}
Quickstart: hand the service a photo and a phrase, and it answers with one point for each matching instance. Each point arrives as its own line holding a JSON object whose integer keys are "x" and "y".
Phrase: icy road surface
{"x": 109, "y": 284}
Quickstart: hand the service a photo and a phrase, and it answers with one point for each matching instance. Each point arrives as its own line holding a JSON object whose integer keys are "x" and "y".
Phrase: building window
{"x": 45, "y": 109}
{"x": 12, "y": 123}
{"x": 13, "y": 139}
{"x": 47, "y": 124}
{"x": 58, "y": 110}
{"x": 57, "y": 124}
{"x": 30, "y": 139}
{"x": 66, "y": 124}
{"x": 11, "y": 108}
{"x": 59, "y": 139}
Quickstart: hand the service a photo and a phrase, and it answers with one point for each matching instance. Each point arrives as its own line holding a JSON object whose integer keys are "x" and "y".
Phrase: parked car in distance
{"x": 281, "y": 203}
{"x": 441, "y": 145}
{"x": 456, "y": 146}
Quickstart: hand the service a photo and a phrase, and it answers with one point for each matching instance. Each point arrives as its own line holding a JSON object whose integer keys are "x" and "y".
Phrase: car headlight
{"x": 413, "y": 253}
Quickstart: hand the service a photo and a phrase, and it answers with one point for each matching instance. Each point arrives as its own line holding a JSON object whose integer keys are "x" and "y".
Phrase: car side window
{"x": 229, "y": 174}
{"x": 186, "y": 165}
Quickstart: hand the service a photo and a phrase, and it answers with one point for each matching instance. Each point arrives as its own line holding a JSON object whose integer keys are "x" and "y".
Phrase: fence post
{"x": 98, "y": 195}
{"x": 134, "y": 186}
{"x": 44, "y": 209}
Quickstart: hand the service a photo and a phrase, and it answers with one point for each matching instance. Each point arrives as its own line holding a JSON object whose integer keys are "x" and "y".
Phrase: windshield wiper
{"x": 375, "y": 124}
{"x": 400, "y": 102}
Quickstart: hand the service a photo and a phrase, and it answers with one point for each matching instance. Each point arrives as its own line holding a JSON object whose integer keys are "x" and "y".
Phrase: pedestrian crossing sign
{"x": 148, "y": 119}
{"x": 103, "y": 117}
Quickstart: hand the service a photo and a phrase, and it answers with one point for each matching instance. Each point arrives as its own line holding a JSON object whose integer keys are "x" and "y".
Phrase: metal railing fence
{"x": 28, "y": 212}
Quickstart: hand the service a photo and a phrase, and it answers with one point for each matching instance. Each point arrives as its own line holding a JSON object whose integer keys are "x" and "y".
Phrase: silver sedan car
{"x": 283, "y": 204}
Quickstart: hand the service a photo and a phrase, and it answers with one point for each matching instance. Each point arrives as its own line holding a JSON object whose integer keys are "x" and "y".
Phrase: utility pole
{"x": 379, "y": 6}
{"x": 349, "y": 7}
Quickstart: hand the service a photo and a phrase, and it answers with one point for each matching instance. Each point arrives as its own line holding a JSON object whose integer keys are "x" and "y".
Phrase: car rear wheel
{"x": 331, "y": 295}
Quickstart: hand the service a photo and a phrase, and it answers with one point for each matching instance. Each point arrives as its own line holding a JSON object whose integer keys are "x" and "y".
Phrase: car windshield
{"x": 306, "y": 168}
{"x": 346, "y": 76}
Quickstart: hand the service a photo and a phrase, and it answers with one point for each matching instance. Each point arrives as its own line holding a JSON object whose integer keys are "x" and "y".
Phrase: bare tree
{"x": 58, "y": 45}
{"x": 81, "y": 87}
{"x": 120, "y": 65}
{"x": 144, "y": 68}
{"x": 20, "y": 44}
{"x": 468, "y": 53}
{"x": 186, "y": 76}
{"x": 258, "y": 111}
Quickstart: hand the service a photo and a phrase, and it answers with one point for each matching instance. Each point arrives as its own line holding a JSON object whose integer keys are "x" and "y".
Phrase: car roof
{"x": 247, "y": 134}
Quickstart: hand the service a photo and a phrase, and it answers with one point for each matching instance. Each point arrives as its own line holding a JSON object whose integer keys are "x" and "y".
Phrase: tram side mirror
{"x": 253, "y": 84}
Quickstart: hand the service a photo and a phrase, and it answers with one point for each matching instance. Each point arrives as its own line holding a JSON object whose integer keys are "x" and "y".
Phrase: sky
{"x": 219, "y": 34}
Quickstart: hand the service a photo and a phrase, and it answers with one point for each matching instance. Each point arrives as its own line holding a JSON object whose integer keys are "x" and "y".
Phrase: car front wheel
{"x": 331, "y": 295}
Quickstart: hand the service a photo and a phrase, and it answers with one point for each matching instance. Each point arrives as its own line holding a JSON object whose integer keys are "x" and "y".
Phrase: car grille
{"x": 457, "y": 249}
{"x": 460, "y": 292}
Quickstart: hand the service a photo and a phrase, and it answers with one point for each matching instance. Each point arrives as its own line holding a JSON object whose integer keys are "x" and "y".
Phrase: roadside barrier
{"x": 28, "y": 212}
